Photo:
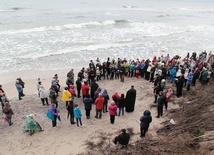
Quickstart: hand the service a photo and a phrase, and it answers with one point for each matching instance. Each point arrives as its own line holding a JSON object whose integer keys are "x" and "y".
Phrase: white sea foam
{"x": 64, "y": 27}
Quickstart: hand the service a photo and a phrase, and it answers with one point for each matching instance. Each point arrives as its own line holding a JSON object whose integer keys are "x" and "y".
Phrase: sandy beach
{"x": 66, "y": 138}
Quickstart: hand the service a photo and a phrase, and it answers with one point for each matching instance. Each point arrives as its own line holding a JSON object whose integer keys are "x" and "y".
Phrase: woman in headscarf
{"x": 31, "y": 125}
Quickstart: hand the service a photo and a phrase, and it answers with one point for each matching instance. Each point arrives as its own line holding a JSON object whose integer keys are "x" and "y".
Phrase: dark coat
{"x": 179, "y": 86}
{"x": 146, "y": 119}
{"x": 123, "y": 138}
{"x": 79, "y": 84}
{"x": 69, "y": 81}
{"x": 53, "y": 96}
{"x": 87, "y": 103}
{"x": 94, "y": 87}
{"x": 161, "y": 100}
{"x": 106, "y": 96}
{"x": 130, "y": 100}
{"x": 122, "y": 102}
{"x": 157, "y": 89}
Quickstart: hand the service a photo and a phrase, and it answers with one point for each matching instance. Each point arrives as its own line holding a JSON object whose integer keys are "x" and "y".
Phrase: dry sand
{"x": 66, "y": 139}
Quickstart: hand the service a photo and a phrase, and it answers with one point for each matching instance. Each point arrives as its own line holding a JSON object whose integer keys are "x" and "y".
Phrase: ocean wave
{"x": 195, "y": 10}
{"x": 8, "y": 10}
{"x": 17, "y": 8}
{"x": 164, "y": 15}
{"x": 67, "y": 26}
{"x": 159, "y": 29}
{"x": 129, "y": 6}
{"x": 12, "y": 9}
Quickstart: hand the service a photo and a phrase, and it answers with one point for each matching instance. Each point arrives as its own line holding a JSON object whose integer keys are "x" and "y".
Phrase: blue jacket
{"x": 106, "y": 96}
{"x": 173, "y": 74}
{"x": 18, "y": 87}
{"x": 142, "y": 66}
{"x": 77, "y": 112}
{"x": 132, "y": 67}
{"x": 189, "y": 78}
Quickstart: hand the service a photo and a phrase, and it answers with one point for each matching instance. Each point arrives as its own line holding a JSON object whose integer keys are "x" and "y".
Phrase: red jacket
{"x": 99, "y": 102}
{"x": 115, "y": 98}
{"x": 85, "y": 89}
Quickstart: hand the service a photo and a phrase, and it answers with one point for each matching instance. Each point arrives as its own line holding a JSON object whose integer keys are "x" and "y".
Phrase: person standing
{"x": 112, "y": 111}
{"x": 70, "y": 109}
{"x": 130, "y": 99}
{"x": 115, "y": 98}
{"x": 85, "y": 89}
{"x": 79, "y": 85}
{"x": 70, "y": 76}
{"x": 88, "y": 105}
{"x": 8, "y": 113}
{"x": 99, "y": 102}
{"x": 3, "y": 99}
{"x": 53, "y": 96}
{"x": 94, "y": 86}
{"x": 43, "y": 95}
{"x": 55, "y": 113}
{"x": 122, "y": 104}
{"x": 22, "y": 84}
{"x": 122, "y": 72}
{"x": 66, "y": 96}
{"x": 169, "y": 94}
{"x": 72, "y": 91}
{"x": 161, "y": 102}
{"x": 157, "y": 89}
{"x": 179, "y": 85}
{"x": 189, "y": 79}
{"x": 19, "y": 89}
{"x": 78, "y": 115}
{"x": 204, "y": 75}
{"x": 145, "y": 120}
{"x": 106, "y": 97}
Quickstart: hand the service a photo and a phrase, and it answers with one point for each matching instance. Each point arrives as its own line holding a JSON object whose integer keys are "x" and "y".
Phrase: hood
{"x": 99, "y": 89}
{"x": 147, "y": 113}
{"x": 105, "y": 91}
{"x": 71, "y": 86}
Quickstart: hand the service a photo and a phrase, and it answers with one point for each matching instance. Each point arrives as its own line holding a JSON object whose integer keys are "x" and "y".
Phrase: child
{"x": 122, "y": 104}
{"x": 112, "y": 111}
{"x": 78, "y": 115}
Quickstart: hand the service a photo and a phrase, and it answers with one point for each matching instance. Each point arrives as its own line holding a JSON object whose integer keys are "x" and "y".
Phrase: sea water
{"x": 57, "y": 34}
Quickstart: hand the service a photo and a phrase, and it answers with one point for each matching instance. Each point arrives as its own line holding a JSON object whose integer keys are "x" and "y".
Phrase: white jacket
{"x": 42, "y": 92}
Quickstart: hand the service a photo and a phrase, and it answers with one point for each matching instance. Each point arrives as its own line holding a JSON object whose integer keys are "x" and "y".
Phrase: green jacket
{"x": 31, "y": 124}
{"x": 204, "y": 76}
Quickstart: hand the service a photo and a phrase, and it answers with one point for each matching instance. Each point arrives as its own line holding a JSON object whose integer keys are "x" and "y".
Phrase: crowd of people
{"x": 181, "y": 72}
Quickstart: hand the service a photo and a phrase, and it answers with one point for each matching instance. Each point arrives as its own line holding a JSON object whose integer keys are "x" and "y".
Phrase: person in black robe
{"x": 79, "y": 86}
{"x": 94, "y": 87}
{"x": 130, "y": 99}
{"x": 179, "y": 85}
